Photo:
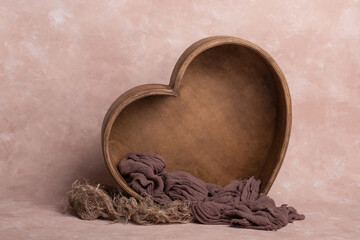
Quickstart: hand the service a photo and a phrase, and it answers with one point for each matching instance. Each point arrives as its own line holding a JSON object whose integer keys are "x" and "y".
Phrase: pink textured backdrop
{"x": 62, "y": 63}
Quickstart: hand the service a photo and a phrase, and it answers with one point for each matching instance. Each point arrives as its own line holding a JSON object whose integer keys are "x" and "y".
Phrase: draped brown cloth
{"x": 239, "y": 203}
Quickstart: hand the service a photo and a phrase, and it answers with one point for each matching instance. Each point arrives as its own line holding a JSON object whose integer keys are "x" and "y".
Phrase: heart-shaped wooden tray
{"x": 226, "y": 114}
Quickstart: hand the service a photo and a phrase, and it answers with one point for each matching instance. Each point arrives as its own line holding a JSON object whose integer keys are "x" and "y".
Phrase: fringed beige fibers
{"x": 93, "y": 200}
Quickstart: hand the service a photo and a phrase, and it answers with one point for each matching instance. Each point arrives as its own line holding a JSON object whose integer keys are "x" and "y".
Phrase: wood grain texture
{"x": 225, "y": 114}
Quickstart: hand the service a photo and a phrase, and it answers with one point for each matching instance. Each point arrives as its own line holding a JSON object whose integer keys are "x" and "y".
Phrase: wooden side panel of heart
{"x": 226, "y": 114}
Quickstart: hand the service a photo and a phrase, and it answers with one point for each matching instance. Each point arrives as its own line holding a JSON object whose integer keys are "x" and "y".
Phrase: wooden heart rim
{"x": 274, "y": 158}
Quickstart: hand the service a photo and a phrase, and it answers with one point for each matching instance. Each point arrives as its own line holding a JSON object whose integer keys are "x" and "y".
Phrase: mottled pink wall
{"x": 62, "y": 63}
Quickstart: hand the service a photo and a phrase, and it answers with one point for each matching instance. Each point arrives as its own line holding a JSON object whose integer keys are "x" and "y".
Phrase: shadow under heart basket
{"x": 226, "y": 114}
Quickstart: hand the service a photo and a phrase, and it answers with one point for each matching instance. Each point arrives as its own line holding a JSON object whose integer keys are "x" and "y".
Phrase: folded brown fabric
{"x": 184, "y": 186}
{"x": 239, "y": 204}
{"x": 142, "y": 172}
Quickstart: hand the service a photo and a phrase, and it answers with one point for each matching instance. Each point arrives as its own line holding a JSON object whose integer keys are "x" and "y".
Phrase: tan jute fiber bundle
{"x": 91, "y": 200}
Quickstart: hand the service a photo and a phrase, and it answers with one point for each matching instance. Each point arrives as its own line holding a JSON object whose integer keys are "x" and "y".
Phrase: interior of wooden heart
{"x": 226, "y": 122}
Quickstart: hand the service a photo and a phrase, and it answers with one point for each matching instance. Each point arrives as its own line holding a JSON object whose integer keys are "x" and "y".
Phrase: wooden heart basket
{"x": 226, "y": 114}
